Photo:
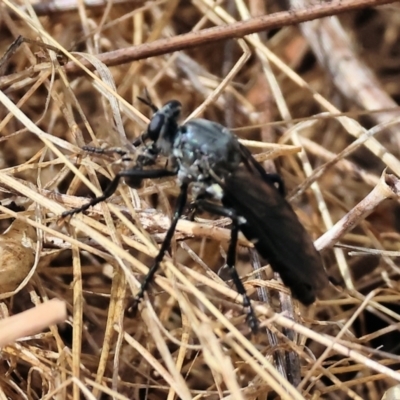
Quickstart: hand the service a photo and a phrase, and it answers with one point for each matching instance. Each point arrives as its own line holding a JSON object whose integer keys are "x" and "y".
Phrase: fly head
{"x": 147, "y": 155}
{"x": 163, "y": 124}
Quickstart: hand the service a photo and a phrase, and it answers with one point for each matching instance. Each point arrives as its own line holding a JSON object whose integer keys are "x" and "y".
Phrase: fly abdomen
{"x": 277, "y": 234}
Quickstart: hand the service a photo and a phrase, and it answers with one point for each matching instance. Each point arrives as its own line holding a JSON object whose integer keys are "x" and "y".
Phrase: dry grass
{"x": 326, "y": 94}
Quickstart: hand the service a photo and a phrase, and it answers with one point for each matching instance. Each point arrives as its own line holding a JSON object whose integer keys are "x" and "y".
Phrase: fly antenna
{"x": 147, "y": 100}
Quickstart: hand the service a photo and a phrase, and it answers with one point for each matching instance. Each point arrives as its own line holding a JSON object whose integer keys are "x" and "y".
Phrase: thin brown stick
{"x": 219, "y": 33}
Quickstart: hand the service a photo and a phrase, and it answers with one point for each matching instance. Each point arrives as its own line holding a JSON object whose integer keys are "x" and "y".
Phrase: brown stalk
{"x": 231, "y": 31}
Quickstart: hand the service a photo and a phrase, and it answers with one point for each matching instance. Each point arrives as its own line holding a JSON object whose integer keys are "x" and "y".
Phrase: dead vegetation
{"x": 329, "y": 87}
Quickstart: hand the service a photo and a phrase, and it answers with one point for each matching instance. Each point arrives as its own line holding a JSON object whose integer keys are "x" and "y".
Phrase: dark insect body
{"x": 225, "y": 179}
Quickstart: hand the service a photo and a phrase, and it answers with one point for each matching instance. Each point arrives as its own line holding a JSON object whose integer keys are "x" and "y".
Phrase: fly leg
{"x": 129, "y": 174}
{"x": 231, "y": 256}
{"x": 180, "y": 205}
{"x": 105, "y": 151}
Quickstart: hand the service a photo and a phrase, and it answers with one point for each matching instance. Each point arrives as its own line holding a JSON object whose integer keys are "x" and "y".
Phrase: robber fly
{"x": 224, "y": 179}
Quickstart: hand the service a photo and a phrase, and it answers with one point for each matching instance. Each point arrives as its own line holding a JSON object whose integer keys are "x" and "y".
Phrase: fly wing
{"x": 252, "y": 164}
{"x": 277, "y": 234}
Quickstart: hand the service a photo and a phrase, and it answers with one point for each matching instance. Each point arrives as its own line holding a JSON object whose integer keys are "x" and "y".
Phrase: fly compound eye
{"x": 155, "y": 126}
{"x": 164, "y": 120}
